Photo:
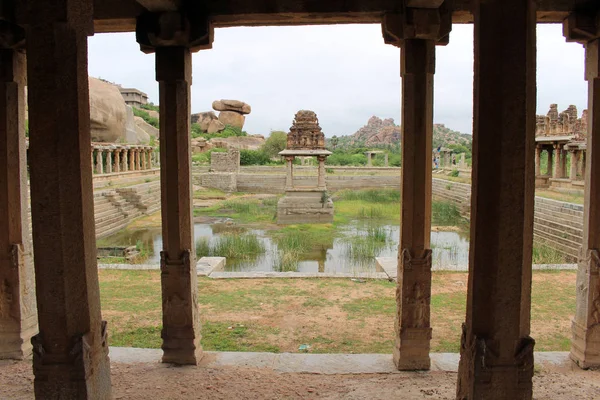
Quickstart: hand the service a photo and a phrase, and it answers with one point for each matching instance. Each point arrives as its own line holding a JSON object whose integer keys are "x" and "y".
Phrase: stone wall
{"x": 225, "y": 162}
{"x": 227, "y": 182}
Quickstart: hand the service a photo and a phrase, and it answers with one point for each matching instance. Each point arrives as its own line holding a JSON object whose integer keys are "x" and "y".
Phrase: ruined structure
{"x": 305, "y": 204}
{"x": 558, "y": 134}
{"x": 70, "y": 353}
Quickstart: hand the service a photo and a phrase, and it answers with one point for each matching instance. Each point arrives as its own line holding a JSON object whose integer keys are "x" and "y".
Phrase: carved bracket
{"x": 418, "y": 22}
{"x": 11, "y": 36}
{"x": 582, "y": 27}
{"x": 422, "y": 261}
{"x": 174, "y": 29}
{"x": 182, "y": 263}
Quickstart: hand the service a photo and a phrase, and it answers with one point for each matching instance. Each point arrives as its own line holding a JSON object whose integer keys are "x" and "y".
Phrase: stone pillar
{"x": 557, "y": 170}
{"x": 70, "y": 354}
{"x": 574, "y": 163}
{"x": 585, "y": 346}
{"x": 413, "y": 292}
{"x": 321, "y": 178}
{"x": 496, "y": 349}
{"x": 386, "y": 161}
{"x": 289, "y": 176}
{"x": 99, "y": 161}
{"x": 538, "y": 153}
{"x": 181, "y": 320}
{"x": 18, "y": 314}
{"x": 369, "y": 159}
{"x": 563, "y": 164}
{"x": 550, "y": 163}
{"x": 131, "y": 153}
{"x": 109, "y": 161}
{"x": 581, "y": 166}
{"x": 117, "y": 166}
{"x": 144, "y": 152}
{"x": 124, "y": 160}
{"x": 138, "y": 159}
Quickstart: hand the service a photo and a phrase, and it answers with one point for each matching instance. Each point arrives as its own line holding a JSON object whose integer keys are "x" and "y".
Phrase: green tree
{"x": 334, "y": 141}
{"x": 275, "y": 143}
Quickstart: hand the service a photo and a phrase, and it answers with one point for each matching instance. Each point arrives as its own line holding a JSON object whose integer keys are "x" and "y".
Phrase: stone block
{"x": 304, "y": 206}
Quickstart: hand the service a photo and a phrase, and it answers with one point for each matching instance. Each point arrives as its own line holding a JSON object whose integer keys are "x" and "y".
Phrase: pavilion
{"x": 44, "y": 46}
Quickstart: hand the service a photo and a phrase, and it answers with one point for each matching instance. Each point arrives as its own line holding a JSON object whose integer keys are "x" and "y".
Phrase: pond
{"x": 353, "y": 250}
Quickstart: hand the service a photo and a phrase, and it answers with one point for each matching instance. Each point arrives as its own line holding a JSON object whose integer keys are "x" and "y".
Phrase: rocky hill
{"x": 384, "y": 132}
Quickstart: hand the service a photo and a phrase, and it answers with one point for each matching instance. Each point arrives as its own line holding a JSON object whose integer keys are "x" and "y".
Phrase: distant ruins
{"x": 556, "y": 135}
{"x": 305, "y": 204}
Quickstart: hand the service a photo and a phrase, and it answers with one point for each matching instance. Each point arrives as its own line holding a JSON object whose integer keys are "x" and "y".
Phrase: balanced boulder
{"x": 232, "y": 105}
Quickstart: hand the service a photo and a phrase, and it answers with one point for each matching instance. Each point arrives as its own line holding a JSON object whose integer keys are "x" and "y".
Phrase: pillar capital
{"x": 418, "y": 19}
{"x": 11, "y": 35}
{"x": 174, "y": 29}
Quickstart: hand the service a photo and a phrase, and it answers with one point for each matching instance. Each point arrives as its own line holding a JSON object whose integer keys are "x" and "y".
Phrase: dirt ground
{"x": 156, "y": 381}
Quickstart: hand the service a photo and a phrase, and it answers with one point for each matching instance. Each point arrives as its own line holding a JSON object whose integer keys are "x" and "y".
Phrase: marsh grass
{"x": 233, "y": 247}
{"x": 446, "y": 214}
{"x": 371, "y": 195}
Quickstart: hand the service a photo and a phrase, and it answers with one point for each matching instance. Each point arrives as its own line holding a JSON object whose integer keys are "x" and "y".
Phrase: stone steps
{"x": 563, "y": 245}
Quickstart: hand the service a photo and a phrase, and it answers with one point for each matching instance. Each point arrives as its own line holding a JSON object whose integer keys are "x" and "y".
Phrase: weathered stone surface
{"x": 378, "y": 131}
{"x": 565, "y": 123}
{"x": 305, "y": 132}
{"x": 238, "y": 142}
{"x": 153, "y": 114}
{"x": 204, "y": 119}
{"x": 232, "y": 118}
{"x": 144, "y": 131}
{"x": 232, "y": 105}
{"x": 304, "y": 207}
{"x": 108, "y": 112}
{"x": 214, "y": 126}
{"x": 225, "y": 162}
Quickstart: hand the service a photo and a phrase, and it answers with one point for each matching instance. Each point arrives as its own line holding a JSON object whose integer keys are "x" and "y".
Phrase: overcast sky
{"x": 345, "y": 73}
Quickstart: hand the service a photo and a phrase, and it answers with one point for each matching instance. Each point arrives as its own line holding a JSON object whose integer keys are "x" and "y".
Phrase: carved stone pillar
{"x": 496, "y": 349}
{"x": 416, "y": 34}
{"x": 556, "y": 170}
{"x": 538, "y": 153}
{"x": 99, "y": 161}
{"x": 289, "y": 176}
{"x": 138, "y": 159}
{"x": 18, "y": 314}
{"x": 550, "y": 163}
{"x": 117, "y": 165}
{"x": 109, "y": 161}
{"x": 585, "y": 346}
{"x": 321, "y": 178}
{"x": 574, "y": 163}
{"x": 70, "y": 354}
{"x": 125, "y": 160}
{"x": 131, "y": 155}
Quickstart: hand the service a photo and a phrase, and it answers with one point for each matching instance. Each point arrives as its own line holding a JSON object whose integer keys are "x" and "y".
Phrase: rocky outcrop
{"x": 108, "y": 112}
{"x": 378, "y": 131}
{"x": 232, "y": 105}
{"x": 232, "y": 118}
{"x": 146, "y": 128}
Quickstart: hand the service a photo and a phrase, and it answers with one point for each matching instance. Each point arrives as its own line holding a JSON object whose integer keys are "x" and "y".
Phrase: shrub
{"x": 146, "y": 117}
{"x": 275, "y": 143}
{"x": 254, "y": 157}
{"x": 454, "y": 173}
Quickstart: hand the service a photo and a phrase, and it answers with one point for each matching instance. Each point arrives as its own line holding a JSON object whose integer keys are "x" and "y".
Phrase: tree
{"x": 334, "y": 141}
{"x": 275, "y": 143}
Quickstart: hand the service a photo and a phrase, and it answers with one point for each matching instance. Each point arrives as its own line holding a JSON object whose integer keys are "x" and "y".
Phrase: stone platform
{"x": 305, "y": 206}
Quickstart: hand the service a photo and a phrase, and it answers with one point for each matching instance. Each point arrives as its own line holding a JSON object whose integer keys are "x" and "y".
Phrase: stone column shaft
{"x": 549, "y": 169}
{"x": 413, "y": 291}
{"x": 387, "y": 164}
{"x": 99, "y": 161}
{"x": 369, "y": 160}
{"x": 557, "y": 170}
{"x": 109, "y": 161}
{"x": 138, "y": 159}
{"x": 585, "y": 346}
{"x": 574, "y": 163}
{"x": 321, "y": 178}
{"x": 496, "y": 349}
{"x": 18, "y": 314}
{"x": 181, "y": 320}
{"x": 117, "y": 167}
{"x": 538, "y": 153}
{"x": 125, "y": 161}
{"x": 131, "y": 155}
{"x": 289, "y": 176}
{"x": 70, "y": 354}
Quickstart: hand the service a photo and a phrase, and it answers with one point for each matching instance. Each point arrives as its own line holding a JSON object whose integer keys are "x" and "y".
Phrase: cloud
{"x": 345, "y": 73}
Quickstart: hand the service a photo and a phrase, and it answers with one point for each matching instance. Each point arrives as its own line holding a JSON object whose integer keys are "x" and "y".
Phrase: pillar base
{"x": 305, "y": 207}
{"x": 585, "y": 345}
{"x": 413, "y": 352}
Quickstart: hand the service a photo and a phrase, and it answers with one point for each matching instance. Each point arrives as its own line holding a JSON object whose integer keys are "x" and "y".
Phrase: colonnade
{"x": 114, "y": 158}
{"x": 557, "y": 160}
{"x": 70, "y": 352}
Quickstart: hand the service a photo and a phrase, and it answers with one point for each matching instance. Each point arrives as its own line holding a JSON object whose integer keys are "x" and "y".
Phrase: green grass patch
{"x": 370, "y": 195}
{"x": 544, "y": 254}
{"x": 446, "y": 214}
{"x": 233, "y": 247}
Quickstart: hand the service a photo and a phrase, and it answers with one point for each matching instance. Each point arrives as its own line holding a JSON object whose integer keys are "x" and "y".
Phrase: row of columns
{"x": 70, "y": 352}
{"x": 109, "y": 159}
{"x": 557, "y": 161}
{"x": 289, "y": 176}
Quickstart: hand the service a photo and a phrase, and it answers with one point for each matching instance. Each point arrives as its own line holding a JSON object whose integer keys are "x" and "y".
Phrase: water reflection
{"x": 353, "y": 251}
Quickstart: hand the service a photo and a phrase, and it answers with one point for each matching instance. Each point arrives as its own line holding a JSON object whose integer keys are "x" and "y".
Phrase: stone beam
{"x": 160, "y": 5}
{"x": 496, "y": 349}
{"x": 174, "y": 29}
{"x": 70, "y": 354}
{"x": 120, "y": 15}
{"x": 18, "y": 314}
